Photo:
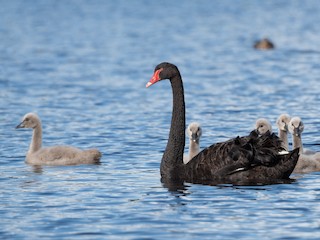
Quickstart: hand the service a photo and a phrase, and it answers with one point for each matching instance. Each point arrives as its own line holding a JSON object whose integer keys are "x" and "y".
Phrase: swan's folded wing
{"x": 245, "y": 157}
{"x": 220, "y": 159}
{"x": 56, "y": 153}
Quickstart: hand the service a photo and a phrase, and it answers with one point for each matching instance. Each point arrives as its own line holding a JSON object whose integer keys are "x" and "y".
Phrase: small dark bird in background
{"x": 264, "y": 44}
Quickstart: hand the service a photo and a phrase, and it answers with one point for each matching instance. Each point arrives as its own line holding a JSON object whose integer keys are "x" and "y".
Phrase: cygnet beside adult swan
{"x": 282, "y": 124}
{"x": 307, "y": 162}
{"x": 194, "y": 132}
{"x": 55, "y": 155}
{"x": 263, "y": 126}
{"x": 241, "y": 160}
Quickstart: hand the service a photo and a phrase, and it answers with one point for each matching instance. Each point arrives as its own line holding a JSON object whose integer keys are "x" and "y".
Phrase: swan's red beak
{"x": 155, "y": 78}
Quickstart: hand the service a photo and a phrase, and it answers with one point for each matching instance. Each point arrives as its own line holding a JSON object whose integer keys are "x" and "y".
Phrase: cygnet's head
{"x": 296, "y": 126}
{"x": 30, "y": 120}
{"x": 263, "y": 126}
{"x": 283, "y": 122}
{"x": 194, "y": 131}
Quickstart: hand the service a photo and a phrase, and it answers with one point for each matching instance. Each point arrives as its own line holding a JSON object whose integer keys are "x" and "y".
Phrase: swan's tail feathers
{"x": 290, "y": 161}
{"x": 290, "y": 155}
{"x": 287, "y": 163}
{"x": 295, "y": 154}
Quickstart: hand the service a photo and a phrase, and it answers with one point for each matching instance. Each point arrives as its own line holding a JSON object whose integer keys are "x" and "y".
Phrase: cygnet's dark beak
{"x": 193, "y": 137}
{"x": 296, "y": 132}
{"x": 21, "y": 125}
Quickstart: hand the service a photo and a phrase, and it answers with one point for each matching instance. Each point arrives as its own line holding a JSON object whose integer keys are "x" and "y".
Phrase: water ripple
{"x": 83, "y": 68}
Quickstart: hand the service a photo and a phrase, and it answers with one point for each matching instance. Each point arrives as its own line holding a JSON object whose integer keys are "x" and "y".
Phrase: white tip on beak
{"x": 149, "y": 84}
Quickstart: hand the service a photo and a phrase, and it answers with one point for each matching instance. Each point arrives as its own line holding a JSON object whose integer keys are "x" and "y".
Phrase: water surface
{"x": 83, "y": 66}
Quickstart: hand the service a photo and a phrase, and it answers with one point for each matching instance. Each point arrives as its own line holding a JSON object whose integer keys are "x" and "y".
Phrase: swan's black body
{"x": 243, "y": 160}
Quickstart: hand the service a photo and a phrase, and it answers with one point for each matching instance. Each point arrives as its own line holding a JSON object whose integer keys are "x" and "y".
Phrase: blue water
{"x": 83, "y": 65}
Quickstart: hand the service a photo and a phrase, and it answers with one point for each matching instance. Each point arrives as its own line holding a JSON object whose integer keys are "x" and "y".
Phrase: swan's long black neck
{"x": 172, "y": 159}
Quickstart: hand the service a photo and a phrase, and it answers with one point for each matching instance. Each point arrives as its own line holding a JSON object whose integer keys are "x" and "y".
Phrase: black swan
{"x": 309, "y": 161}
{"x": 194, "y": 132}
{"x": 55, "y": 155}
{"x": 241, "y": 160}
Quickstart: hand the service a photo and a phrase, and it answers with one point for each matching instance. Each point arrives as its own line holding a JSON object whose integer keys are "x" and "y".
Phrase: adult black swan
{"x": 246, "y": 160}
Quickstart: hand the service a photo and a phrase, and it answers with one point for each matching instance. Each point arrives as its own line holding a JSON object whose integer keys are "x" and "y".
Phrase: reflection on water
{"x": 37, "y": 169}
{"x": 83, "y": 67}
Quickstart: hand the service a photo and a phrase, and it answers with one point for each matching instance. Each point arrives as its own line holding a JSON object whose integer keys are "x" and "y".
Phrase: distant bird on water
{"x": 264, "y": 44}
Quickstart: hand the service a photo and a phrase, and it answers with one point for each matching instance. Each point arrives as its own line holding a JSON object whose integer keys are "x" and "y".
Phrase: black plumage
{"x": 252, "y": 159}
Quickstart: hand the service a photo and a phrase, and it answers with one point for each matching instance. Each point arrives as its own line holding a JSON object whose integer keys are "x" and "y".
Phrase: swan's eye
{"x": 27, "y": 119}
{"x": 261, "y": 126}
